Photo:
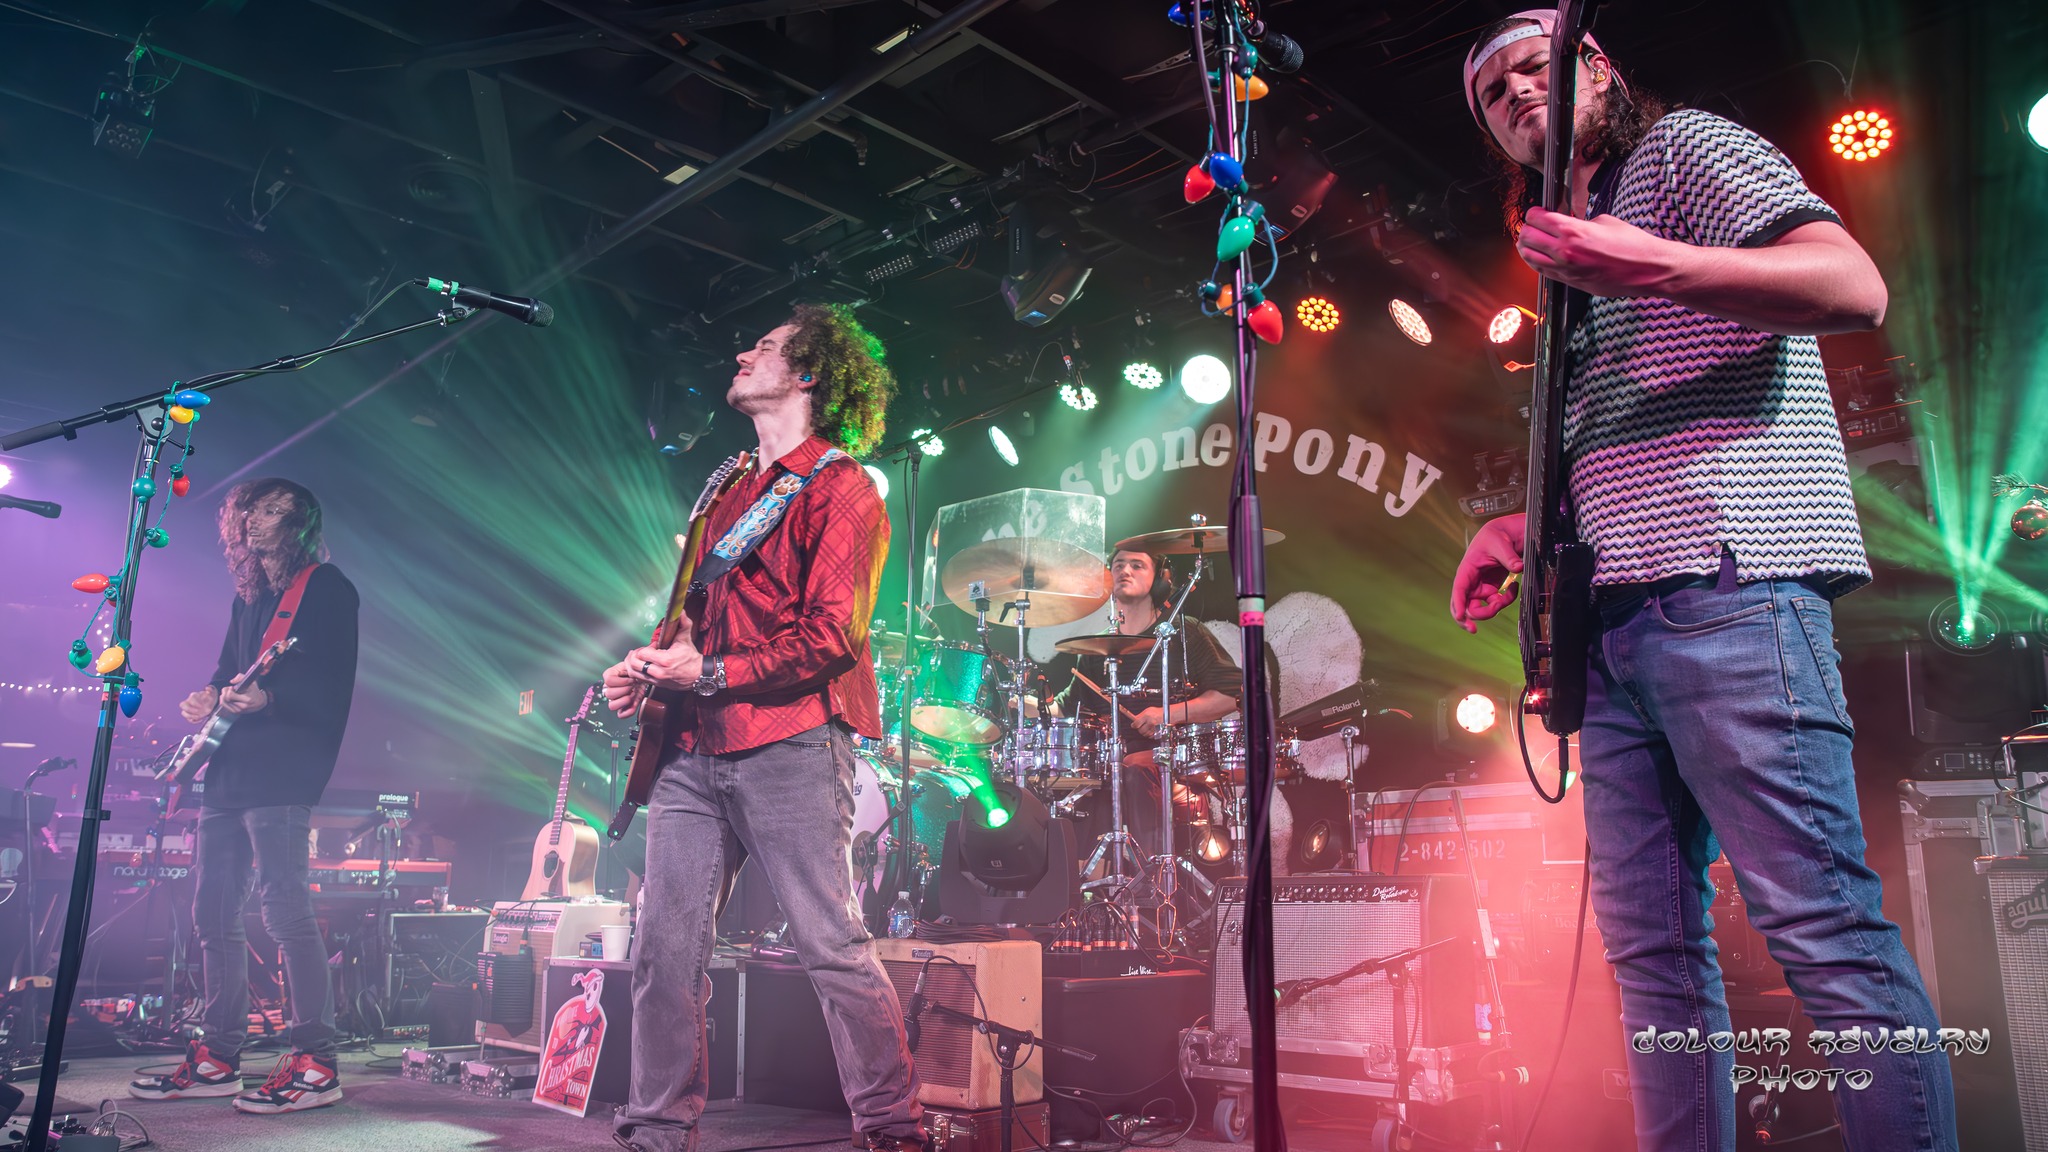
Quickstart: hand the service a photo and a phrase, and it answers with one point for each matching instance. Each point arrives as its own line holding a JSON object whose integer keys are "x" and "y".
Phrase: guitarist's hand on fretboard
{"x": 1485, "y": 581}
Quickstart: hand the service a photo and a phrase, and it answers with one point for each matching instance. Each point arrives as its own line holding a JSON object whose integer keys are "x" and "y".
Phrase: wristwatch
{"x": 713, "y": 681}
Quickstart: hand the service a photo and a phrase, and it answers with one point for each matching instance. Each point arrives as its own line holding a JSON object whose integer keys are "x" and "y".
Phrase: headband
{"x": 1545, "y": 24}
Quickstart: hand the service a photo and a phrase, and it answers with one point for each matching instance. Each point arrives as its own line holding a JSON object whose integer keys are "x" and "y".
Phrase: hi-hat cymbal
{"x": 1113, "y": 645}
{"x": 1064, "y": 582}
{"x": 1186, "y": 541}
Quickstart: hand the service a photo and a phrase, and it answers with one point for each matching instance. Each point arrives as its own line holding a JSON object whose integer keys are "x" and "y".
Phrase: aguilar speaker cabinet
{"x": 956, "y": 1067}
{"x": 549, "y": 930}
{"x": 2019, "y": 924}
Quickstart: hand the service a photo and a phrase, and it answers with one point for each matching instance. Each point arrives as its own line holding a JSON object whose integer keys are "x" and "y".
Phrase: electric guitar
{"x": 188, "y": 764}
{"x": 1557, "y": 570}
{"x": 561, "y": 870}
{"x": 657, "y": 708}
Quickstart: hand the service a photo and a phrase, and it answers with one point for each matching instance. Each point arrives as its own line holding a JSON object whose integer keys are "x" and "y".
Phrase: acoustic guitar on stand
{"x": 565, "y": 852}
{"x": 658, "y": 708}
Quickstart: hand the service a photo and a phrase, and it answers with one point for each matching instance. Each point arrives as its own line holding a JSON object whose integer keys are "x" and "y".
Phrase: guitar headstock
{"x": 734, "y": 465}
{"x": 583, "y": 712}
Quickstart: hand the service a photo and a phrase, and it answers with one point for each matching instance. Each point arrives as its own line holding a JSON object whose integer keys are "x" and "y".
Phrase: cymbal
{"x": 1108, "y": 644}
{"x": 888, "y": 646}
{"x": 1065, "y": 582}
{"x": 1186, "y": 541}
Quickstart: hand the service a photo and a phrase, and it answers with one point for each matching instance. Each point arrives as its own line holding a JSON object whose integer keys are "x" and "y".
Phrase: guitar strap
{"x": 288, "y": 607}
{"x": 754, "y": 525}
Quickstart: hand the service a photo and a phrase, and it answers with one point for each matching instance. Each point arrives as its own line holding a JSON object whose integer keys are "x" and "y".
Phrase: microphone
{"x": 44, "y": 508}
{"x": 1276, "y": 51}
{"x": 912, "y": 1028}
{"x": 524, "y": 309}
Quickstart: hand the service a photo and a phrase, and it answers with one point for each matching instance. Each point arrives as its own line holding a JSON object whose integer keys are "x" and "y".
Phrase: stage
{"x": 384, "y": 1110}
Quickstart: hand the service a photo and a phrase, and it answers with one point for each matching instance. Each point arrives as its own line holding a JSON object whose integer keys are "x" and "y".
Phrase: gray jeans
{"x": 244, "y": 851}
{"x": 789, "y": 805}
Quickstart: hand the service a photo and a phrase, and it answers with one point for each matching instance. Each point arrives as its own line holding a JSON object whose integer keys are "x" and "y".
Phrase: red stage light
{"x": 1860, "y": 135}
{"x": 1317, "y": 314}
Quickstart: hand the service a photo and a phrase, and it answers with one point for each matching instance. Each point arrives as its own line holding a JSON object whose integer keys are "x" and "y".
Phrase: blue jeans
{"x": 790, "y": 806}
{"x": 261, "y": 850}
{"x": 1715, "y": 723}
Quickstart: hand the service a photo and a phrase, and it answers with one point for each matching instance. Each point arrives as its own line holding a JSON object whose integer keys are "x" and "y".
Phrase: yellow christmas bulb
{"x": 181, "y": 414}
{"x": 111, "y": 660}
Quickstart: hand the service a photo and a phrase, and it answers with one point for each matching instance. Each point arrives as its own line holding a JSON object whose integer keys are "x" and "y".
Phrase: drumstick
{"x": 1105, "y": 696}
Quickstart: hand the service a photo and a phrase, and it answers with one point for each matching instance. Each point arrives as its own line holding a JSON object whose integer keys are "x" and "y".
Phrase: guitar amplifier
{"x": 549, "y": 930}
{"x": 1325, "y": 924}
{"x": 2019, "y": 925}
{"x": 956, "y": 1067}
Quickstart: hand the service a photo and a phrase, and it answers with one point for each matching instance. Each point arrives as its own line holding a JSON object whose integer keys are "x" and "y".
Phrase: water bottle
{"x": 902, "y": 918}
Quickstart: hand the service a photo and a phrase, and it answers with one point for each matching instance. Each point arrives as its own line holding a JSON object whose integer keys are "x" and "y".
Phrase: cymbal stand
{"x": 1015, "y": 686}
{"x": 1116, "y": 844}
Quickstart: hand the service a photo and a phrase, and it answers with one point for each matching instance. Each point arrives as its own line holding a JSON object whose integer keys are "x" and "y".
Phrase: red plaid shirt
{"x": 791, "y": 620}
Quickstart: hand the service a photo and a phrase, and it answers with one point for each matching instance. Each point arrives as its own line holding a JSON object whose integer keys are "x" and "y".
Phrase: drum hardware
{"x": 1115, "y": 848}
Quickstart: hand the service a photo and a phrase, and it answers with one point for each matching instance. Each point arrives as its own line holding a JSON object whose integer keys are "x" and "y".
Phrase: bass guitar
{"x": 188, "y": 763}
{"x": 562, "y": 870}
{"x": 658, "y": 707}
{"x": 1557, "y": 570}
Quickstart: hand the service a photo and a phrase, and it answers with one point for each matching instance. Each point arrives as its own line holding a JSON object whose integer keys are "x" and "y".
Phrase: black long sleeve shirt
{"x": 284, "y": 752}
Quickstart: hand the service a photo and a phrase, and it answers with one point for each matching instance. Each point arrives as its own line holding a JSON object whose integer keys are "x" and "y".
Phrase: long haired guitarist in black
{"x": 260, "y": 788}
{"x": 763, "y": 687}
{"x": 1705, "y": 470}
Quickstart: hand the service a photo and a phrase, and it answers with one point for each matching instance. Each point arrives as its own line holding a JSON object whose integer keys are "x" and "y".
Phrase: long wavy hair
{"x": 854, "y": 385}
{"x": 1623, "y": 116}
{"x": 258, "y": 574}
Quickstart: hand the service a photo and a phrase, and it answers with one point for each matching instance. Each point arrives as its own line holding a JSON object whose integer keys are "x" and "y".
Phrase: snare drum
{"x": 1211, "y": 752}
{"x": 952, "y": 701}
{"x": 1067, "y": 746}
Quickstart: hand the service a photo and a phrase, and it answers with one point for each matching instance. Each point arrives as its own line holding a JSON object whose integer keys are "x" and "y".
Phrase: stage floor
{"x": 384, "y": 1112}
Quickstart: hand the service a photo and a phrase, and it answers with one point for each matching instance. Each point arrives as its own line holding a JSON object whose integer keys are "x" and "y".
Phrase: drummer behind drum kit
{"x": 973, "y": 713}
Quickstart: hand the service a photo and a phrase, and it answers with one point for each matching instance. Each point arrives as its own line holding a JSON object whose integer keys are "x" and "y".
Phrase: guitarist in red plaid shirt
{"x": 775, "y": 660}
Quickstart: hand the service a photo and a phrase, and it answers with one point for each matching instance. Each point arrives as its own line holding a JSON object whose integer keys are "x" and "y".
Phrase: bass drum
{"x": 876, "y": 788}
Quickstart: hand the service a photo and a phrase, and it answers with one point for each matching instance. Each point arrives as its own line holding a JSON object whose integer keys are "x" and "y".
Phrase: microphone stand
{"x": 1248, "y": 570}
{"x": 1009, "y": 1043}
{"x": 148, "y": 453}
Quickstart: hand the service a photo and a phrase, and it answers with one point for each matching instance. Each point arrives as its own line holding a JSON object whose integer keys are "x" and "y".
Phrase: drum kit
{"x": 968, "y": 710}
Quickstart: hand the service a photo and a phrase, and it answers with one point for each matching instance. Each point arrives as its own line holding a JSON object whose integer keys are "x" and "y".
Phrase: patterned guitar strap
{"x": 754, "y": 525}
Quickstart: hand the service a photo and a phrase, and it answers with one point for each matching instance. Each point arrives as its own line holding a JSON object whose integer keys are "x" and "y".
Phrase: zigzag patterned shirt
{"x": 1686, "y": 433}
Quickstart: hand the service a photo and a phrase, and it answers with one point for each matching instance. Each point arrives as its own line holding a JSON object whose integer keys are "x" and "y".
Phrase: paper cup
{"x": 617, "y": 939}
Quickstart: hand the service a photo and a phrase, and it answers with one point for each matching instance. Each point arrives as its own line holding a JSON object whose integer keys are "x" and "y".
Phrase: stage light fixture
{"x": 2037, "y": 124}
{"x": 1004, "y": 448}
{"x": 1860, "y": 135}
{"x": 1476, "y": 713}
{"x": 1966, "y": 631}
{"x": 1205, "y": 379}
{"x": 1079, "y": 397}
{"x": 880, "y": 478}
{"x": 1507, "y": 323}
{"x": 1002, "y": 837}
{"x": 1410, "y": 321}
{"x": 1317, "y": 314}
{"x": 1139, "y": 374}
{"x": 123, "y": 114}
{"x": 6, "y": 475}
{"x": 928, "y": 442}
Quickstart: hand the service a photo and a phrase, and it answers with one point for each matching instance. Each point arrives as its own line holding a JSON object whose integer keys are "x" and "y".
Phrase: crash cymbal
{"x": 888, "y": 646}
{"x": 1065, "y": 582}
{"x": 1187, "y": 541}
{"x": 1115, "y": 645}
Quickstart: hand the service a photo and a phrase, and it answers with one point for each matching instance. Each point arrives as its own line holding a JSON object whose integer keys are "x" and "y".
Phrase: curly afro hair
{"x": 854, "y": 386}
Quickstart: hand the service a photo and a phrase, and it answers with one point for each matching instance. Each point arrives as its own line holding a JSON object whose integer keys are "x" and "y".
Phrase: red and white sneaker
{"x": 201, "y": 1073}
{"x": 301, "y": 1081}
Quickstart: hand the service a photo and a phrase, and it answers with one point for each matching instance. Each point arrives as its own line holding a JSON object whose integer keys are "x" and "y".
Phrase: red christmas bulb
{"x": 91, "y": 582}
{"x": 180, "y": 485}
{"x": 2030, "y": 520}
{"x": 1265, "y": 322}
{"x": 1196, "y": 185}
